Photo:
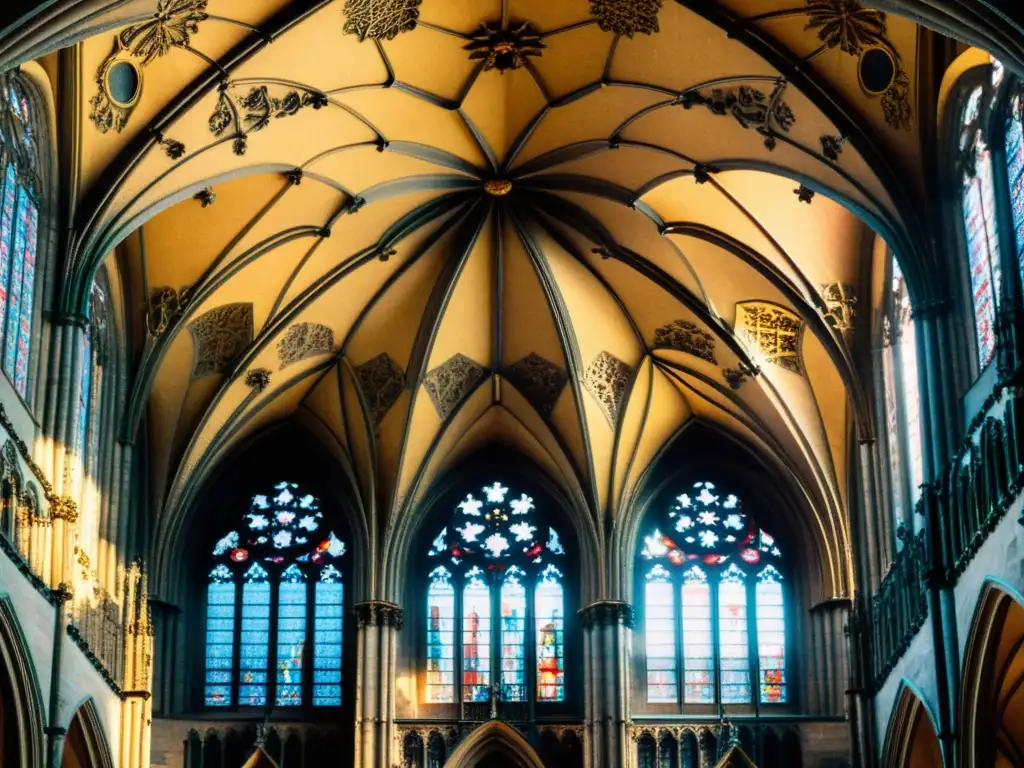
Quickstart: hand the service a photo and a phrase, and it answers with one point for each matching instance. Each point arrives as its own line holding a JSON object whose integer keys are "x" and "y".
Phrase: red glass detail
{"x": 535, "y": 550}
{"x": 275, "y": 559}
{"x": 316, "y": 557}
{"x": 750, "y": 538}
{"x": 676, "y": 557}
{"x": 456, "y": 552}
{"x": 239, "y": 555}
{"x": 713, "y": 559}
{"x": 751, "y": 556}
{"x": 324, "y": 545}
{"x": 669, "y": 543}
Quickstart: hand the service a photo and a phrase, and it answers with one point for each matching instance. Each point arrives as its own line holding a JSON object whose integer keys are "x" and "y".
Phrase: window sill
{"x": 23, "y": 423}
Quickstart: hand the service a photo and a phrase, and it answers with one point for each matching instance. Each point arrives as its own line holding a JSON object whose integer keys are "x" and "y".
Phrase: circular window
{"x": 123, "y": 82}
{"x": 877, "y": 70}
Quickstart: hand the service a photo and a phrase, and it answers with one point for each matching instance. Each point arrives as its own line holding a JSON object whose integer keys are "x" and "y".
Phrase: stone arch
{"x": 85, "y": 745}
{"x": 992, "y": 691}
{"x": 911, "y": 740}
{"x": 21, "y": 711}
{"x": 492, "y": 739}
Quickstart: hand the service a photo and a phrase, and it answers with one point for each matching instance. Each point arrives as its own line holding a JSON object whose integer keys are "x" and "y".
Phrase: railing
{"x": 431, "y": 742}
{"x": 961, "y": 508}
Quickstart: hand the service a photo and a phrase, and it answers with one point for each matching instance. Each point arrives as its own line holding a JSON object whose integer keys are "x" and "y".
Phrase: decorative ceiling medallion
{"x": 119, "y": 77}
{"x": 769, "y": 115}
{"x": 504, "y": 47}
{"x": 773, "y": 331}
{"x": 380, "y": 19}
{"x": 607, "y": 378}
{"x": 626, "y": 17}
{"x": 382, "y": 381}
{"x": 841, "y": 305}
{"x": 451, "y": 382}
{"x": 684, "y": 336}
{"x": 846, "y": 24}
{"x": 257, "y": 379}
{"x": 497, "y": 187}
{"x": 219, "y": 337}
{"x": 304, "y": 340}
{"x": 540, "y": 381}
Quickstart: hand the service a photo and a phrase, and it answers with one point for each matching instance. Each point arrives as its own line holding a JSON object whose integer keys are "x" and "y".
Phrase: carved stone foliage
{"x": 504, "y": 47}
{"x": 841, "y": 302}
{"x": 304, "y": 340}
{"x": 257, "y": 379}
{"x": 380, "y": 19}
{"x": 382, "y": 381}
{"x": 253, "y": 110}
{"x": 768, "y": 114}
{"x": 773, "y": 331}
{"x": 450, "y": 383}
{"x": 165, "y": 307}
{"x": 686, "y": 337}
{"x": 896, "y": 103}
{"x": 172, "y": 26}
{"x": 540, "y": 381}
{"x": 607, "y": 378}
{"x": 379, "y": 613}
{"x": 626, "y": 17}
{"x": 219, "y": 337}
{"x": 846, "y": 24}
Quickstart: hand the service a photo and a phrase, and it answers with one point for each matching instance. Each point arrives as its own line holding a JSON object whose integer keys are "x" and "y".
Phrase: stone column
{"x": 378, "y": 623}
{"x": 607, "y": 625}
{"x": 55, "y": 733}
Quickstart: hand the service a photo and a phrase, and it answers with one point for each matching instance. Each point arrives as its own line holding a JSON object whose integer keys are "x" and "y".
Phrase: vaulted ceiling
{"x": 571, "y": 227}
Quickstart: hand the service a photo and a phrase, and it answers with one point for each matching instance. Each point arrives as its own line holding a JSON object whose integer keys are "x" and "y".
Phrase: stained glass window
{"x": 285, "y": 563}
{"x": 19, "y": 230}
{"x": 501, "y": 593}
{"x": 980, "y": 225}
{"x": 701, "y": 582}
{"x": 1015, "y": 171}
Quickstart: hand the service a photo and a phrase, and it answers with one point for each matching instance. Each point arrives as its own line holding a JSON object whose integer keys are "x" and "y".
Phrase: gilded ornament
{"x": 497, "y": 187}
{"x": 607, "y": 379}
{"x": 504, "y": 48}
{"x": 841, "y": 307}
{"x": 380, "y": 19}
{"x": 626, "y": 17}
{"x": 64, "y": 508}
{"x": 774, "y": 332}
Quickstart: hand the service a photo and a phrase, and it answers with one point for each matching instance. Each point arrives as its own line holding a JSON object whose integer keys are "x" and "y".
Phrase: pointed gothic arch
{"x": 992, "y": 680}
{"x": 85, "y": 745}
{"x": 911, "y": 739}
{"x": 492, "y": 739}
{"x": 21, "y": 711}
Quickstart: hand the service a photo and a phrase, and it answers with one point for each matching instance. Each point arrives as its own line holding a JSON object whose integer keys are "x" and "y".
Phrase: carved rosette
{"x": 608, "y": 612}
{"x": 379, "y": 613}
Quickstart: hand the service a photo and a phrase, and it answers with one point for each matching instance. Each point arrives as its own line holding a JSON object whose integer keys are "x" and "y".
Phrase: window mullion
{"x": 530, "y": 643}
{"x": 713, "y": 587}
{"x": 459, "y": 649}
{"x": 308, "y": 647}
{"x": 275, "y": 606}
{"x": 753, "y": 642}
{"x": 677, "y": 602}
{"x": 236, "y": 657}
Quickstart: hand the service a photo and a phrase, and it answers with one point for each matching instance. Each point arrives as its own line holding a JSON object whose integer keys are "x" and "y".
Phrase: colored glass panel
{"x": 892, "y": 422}
{"x": 291, "y": 636}
{"x": 24, "y": 322}
{"x": 980, "y": 225}
{"x": 10, "y": 191}
{"x": 698, "y": 639}
{"x": 660, "y": 637}
{"x": 733, "y": 642}
{"x": 771, "y": 636}
{"x": 328, "y": 626}
{"x": 513, "y": 636}
{"x": 84, "y": 395}
{"x": 1015, "y": 174}
{"x": 254, "y": 645}
{"x": 220, "y": 638}
{"x": 476, "y": 638}
{"x": 14, "y": 296}
{"x": 549, "y": 611}
{"x": 440, "y": 637}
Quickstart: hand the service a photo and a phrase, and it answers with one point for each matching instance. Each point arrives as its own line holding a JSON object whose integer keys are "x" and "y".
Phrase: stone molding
{"x": 379, "y": 613}
{"x": 608, "y": 612}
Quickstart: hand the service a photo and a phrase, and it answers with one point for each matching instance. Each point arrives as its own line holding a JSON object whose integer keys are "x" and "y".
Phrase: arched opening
{"x": 85, "y": 745}
{"x": 911, "y": 741}
{"x": 21, "y": 726}
{"x": 992, "y": 699}
{"x": 494, "y": 745}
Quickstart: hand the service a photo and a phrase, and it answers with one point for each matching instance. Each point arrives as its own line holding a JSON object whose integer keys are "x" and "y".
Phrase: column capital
{"x": 606, "y": 612}
{"x": 379, "y": 613}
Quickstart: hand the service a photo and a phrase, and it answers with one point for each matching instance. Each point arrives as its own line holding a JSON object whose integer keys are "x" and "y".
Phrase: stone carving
{"x": 64, "y": 508}
{"x": 896, "y": 103}
{"x": 846, "y": 24}
{"x": 379, "y": 613}
{"x": 304, "y": 340}
{"x": 205, "y": 196}
{"x": 166, "y": 305}
{"x": 737, "y": 377}
{"x": 450, "y": 383}
{"x": 540, "y": 381}
{"x": 769, "y": 115}
{"x": 380, "y": 19}
{"x": 382, "y": 381}
{"x": 686, "y": 337}
{"x": 503, "y": 48}
{"x": 804, "y": 194}
{"x": 258, "y": 379}
{"x": 832, "y": 147}
{"x": 172, "y": 26}
{"x": 607, "y": 378}
{"x": 606, "y": 612}
{"x": 774, "y": 331}
{"x": 841, "y": 303}
{"x": 253, "y": 111}
{"x": 626, "y": 17}
{"x": 219, "y": 337}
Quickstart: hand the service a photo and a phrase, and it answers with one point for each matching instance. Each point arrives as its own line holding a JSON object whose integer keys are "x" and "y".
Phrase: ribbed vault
{"x": 564, "y": 227}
